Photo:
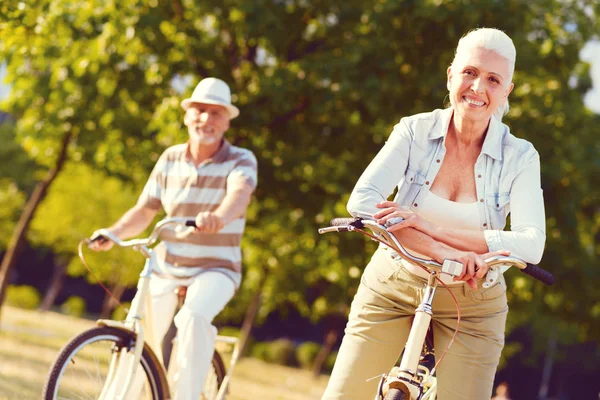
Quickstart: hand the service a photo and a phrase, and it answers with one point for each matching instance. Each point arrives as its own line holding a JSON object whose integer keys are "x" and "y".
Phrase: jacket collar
{"x": 492, "y": 144}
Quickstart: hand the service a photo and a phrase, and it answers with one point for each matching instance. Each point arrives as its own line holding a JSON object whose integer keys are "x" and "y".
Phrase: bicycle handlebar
{"x": 149, "y": 241}
{"x": 382, "y": 235}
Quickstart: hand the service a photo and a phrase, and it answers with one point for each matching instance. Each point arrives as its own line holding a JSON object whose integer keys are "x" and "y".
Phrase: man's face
{"x": 479, "y": 84}
{"x": 206, "y": 123}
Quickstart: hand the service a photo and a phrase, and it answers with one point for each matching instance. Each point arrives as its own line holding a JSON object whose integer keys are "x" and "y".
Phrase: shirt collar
{"x": 223, "y": 152}
{"x": 220, "y": 156}
{"x": 492, "y": 144}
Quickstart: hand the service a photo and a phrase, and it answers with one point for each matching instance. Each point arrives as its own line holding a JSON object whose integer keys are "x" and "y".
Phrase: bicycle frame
{"x": 407, "y": 379}
{"x": 121, "y": 375}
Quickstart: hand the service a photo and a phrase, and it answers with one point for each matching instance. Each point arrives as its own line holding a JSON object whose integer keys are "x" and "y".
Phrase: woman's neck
{"x": 468, "y": 132}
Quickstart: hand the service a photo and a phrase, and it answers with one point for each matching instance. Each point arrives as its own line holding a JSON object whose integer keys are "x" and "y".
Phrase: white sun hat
{"x": 212, "y": 91}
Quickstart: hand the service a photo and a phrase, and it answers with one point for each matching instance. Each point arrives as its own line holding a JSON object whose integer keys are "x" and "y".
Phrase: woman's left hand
{"x": 390, "y": 210}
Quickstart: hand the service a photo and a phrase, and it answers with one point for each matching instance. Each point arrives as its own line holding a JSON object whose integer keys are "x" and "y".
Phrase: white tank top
{"x": 447, "y": 214}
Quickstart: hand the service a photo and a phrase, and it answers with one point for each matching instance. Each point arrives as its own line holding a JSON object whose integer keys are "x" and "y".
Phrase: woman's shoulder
{"x": 516, "y": 152}
{"x": 429, "y": 117}
{"x": 520, "y": 147}
{"x": 426, "y": 125}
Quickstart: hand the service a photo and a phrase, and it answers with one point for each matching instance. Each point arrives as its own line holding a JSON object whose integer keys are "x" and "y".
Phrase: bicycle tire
{"x": 396, "y": 394}
{"x": 72, "y": 355}
{"x": 214, "y": 378}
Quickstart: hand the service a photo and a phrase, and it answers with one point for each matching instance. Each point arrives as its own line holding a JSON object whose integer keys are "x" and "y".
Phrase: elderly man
{"x": 211, "y": 181}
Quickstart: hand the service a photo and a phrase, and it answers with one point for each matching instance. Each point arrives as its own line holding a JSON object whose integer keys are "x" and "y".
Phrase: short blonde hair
{"x": 494, "y": 40}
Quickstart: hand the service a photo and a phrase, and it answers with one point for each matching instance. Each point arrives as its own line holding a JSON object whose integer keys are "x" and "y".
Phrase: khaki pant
{"x": 380, "y": 320}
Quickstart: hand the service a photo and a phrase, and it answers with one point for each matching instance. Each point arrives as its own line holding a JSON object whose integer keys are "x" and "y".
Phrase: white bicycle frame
{"x": 122, "y": 369}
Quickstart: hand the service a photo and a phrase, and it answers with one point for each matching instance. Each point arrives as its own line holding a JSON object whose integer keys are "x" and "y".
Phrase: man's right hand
{"x": 100, "y": 243}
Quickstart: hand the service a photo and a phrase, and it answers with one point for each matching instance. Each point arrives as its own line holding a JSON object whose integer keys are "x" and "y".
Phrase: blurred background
{"x": 90, "y": 98}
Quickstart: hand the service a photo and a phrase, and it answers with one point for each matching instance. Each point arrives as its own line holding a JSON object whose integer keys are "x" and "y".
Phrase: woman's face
{"x": 479, "y": 83}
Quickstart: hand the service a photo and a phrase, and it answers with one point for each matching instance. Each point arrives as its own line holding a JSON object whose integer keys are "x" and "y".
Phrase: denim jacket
{"x": 507, "y": 177}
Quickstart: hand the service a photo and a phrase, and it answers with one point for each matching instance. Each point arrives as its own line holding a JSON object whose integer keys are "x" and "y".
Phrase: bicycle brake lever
{"x": 491, "y": 277}
{"x": 451, "y": 267}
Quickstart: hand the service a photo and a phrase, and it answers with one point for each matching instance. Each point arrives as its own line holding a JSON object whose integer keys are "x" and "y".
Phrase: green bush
{"x": 74, "y": 306}
{"x": 119, "y": 313}
{"x": 24, "y": 296}
{"x": 282, "y": 352}
{"x": 306, "y": 354}
{"x": 330, "y": 361}
{"x": 260, "y": 350}
{"x": 236, "y": 332}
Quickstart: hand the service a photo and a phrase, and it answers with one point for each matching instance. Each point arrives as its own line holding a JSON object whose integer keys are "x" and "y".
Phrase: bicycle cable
{"x": 85, "y": 264}
{"x": 440, "y": 281}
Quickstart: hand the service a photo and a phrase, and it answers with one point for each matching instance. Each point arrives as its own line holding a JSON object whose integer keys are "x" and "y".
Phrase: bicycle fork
{"x": 407, "y": 378}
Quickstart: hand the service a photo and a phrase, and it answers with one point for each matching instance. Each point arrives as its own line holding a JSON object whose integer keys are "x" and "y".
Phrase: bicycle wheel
{"x": 82, "y": 366}
{"x": 396, "y": 394}
{"x": 214, "y": 378}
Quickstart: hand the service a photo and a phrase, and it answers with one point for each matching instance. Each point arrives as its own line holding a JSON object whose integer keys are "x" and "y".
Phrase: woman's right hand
{"x": 474, "y": 266}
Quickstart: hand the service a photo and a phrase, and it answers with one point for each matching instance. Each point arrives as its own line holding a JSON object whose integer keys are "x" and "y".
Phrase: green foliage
{"x": 330, "y": 361}
{"x": 260, "y": 351}
{"x": 11, "y": 201}
{"x": 306, "y": 353}
{"x": 320, "y": 86}
{"x": 74, "y": 306}
{"x": 17, "y": 166}
{"x": 236, "y": 332}
{"x": 80, "y": 201}
{"x": 119, "y": 313}
{"x": 281, "y": 351}
{"x": 23, "y": 296}
{"x": 16, "y": 179}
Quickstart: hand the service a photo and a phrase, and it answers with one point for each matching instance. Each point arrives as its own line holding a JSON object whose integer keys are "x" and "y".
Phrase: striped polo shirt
{"x": 183, "y": 189}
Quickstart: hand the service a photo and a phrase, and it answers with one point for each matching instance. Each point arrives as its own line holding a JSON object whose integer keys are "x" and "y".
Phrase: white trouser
{"x": 207, "y": 295}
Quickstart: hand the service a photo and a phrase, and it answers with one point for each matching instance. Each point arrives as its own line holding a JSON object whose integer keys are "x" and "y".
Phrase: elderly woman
{"x": 459, "y": 173}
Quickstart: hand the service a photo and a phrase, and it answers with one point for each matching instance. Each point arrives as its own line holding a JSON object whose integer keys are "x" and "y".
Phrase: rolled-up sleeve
{"x": 527, "y": 235}
{"x": 244, "y": 174}
{"x": 383, "y": 173}
{"x": 152, "y": 193}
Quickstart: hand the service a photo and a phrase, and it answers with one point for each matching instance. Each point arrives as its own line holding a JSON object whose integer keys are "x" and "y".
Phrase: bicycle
{"x": 103, "y": 362}
{"x": 414, "y": 379}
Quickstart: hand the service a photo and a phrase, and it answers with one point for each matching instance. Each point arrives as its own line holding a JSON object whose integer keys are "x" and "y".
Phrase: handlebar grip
{"x": 190, "y": 222}
{"x": 357, "y": 222}
{"x": 539, "y": 274}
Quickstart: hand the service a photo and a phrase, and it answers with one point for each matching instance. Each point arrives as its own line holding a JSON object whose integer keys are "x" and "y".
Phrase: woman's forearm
{"x": 417, "y": 241}
{"x": 460, "y": 239}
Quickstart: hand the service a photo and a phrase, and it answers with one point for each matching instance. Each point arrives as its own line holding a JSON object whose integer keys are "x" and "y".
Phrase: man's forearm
{"x": 234, "y": 205}
{"x": 133, "y": 222}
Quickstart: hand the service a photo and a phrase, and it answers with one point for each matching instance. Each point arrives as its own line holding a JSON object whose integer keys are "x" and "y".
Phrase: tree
{"x": 81, "y": 201}
{"x": 84, "y": 103}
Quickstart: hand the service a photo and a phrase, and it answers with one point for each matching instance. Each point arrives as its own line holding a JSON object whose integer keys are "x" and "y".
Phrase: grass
{"x": 30, "y": 340}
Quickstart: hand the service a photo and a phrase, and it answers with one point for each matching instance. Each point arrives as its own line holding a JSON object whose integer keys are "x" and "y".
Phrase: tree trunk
{"x": 18, "y": 237}
{"x": 331, "y": 337}
{"x": 56, "y": 284}
{"x": 251, "y": 314}
{"x": 109, "y": 303}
